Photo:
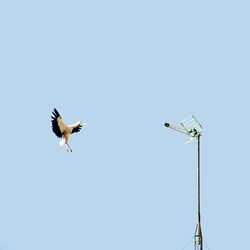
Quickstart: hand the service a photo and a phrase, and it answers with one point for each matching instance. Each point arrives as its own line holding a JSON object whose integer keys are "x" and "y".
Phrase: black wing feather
{"x": 76, "y": 129}
{"x": 55, "y": 126}
{"x": 56, "y": 112}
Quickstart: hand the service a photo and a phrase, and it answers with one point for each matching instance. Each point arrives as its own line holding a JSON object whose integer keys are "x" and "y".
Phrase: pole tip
{"x": 167, "y": 124}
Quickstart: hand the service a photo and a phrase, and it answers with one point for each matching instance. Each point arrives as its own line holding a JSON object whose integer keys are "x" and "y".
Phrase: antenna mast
{"x": 192, "y": 128}
{"x": 198, "y": 240}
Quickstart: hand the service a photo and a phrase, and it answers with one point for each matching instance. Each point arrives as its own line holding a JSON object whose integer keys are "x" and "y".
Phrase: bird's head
{"x": 82, "y": 123}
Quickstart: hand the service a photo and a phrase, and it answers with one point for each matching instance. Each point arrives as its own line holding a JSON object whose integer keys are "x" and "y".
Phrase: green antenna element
{"x": 192, "y": 128}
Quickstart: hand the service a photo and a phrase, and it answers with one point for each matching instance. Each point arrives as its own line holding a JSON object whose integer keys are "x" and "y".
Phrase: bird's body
{"x": 67, "y": 132}
{"x": 63, "y": 131}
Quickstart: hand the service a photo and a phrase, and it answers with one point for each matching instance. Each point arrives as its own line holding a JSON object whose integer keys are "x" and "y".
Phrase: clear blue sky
{"x": 125, "y": 68}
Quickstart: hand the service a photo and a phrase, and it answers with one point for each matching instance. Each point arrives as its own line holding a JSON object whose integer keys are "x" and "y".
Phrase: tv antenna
{"x": 192, "y": 128}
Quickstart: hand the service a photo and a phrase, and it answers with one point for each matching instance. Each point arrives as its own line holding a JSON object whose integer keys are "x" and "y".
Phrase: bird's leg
{"x": 69, "y": 147}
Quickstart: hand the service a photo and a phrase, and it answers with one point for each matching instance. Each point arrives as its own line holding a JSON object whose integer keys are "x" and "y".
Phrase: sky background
{"x": 125, "y": 68}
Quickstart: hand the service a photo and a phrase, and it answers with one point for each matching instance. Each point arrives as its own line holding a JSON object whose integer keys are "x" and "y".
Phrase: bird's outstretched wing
{"x": 76, "y": 128}
{"x": 58, "y": 126}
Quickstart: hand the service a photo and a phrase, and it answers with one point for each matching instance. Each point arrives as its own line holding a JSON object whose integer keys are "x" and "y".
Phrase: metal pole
{"x": 198, "y": 233}
{"x": 199, "y": 183}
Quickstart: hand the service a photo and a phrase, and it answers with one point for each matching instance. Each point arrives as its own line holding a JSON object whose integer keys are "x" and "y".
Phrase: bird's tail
{"x": 62, "y": 142}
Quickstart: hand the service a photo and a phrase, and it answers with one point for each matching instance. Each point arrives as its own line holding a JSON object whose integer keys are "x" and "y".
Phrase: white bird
{"x": 63, "y": 131}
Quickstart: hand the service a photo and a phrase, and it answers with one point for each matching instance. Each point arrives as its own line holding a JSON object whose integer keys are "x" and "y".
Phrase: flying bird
{"x": 63, "y": 131}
